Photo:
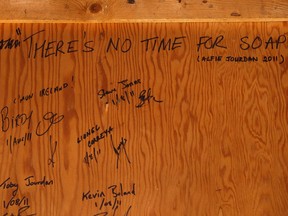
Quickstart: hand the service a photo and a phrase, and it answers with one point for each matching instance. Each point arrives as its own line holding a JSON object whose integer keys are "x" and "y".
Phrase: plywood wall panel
{"x": 188, "y": 136}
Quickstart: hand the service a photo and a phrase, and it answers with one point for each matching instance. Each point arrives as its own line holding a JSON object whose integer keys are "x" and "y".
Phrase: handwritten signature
{"x": 21, "y": 211}
{"x": 127, "y": 94}
{"x": 9, "y": 122}
{"x": 51, "y": 119}
{"x": 52, "y": 151}
{"x": 119, "y": 149}
{"x": 114, "y": 212}
{"x": 146, "y": 96}
{"x": 15, "y": 201}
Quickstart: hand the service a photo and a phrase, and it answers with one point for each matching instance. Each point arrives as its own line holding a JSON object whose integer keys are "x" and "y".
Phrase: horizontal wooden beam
{"x": 143, "y": 10}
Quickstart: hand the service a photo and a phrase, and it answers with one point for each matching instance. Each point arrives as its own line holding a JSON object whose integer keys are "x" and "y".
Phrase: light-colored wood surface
{"x": 142, "y": 10}
{"x": 213, "y": 139}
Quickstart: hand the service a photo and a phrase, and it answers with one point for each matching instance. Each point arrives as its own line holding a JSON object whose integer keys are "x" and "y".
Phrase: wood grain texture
{"x": 142, "y": 10}
{"x": 215, "y": 145}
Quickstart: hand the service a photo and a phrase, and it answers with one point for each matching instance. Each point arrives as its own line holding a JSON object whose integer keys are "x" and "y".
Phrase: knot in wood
{"x": 95, "y": 8}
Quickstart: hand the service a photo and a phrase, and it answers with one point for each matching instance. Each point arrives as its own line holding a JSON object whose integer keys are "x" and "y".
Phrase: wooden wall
{"x": 100, "y": 11}
{"x": 153, "y": 119}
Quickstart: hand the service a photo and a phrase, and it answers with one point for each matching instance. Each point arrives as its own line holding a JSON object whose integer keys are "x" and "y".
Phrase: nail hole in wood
{"x": 235, "y": 14}
{"x": 95, "y": 8}
{"x": 131, "y": 1}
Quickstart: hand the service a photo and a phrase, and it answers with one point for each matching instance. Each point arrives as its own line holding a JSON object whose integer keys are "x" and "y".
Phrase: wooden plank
{"x": 195, "y": 130}
{"x": 142, "y": 10}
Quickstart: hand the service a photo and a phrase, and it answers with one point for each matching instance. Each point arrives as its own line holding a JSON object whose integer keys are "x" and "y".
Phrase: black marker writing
{"x": 51, "y": 119}
{"x": 43, "y": 182}
{"x": 21, "y": 99}
{"x": 170, "y": 44}
{"x": 21, "y": 211}
{"x": 125, "y": 46}
{"x": 125, "y": 83}
{"x": 16, "y": 202}
{"x": 9, "y": 44}
{"x": 30, "y": 38}
{"x": 146, "y": 96}
{"x": 11, "y": 142}
{"x": 102, "y": 92}
{"x": 46, "y": 48}
{"x": 52, "y": 151}
{"x": 209, "y": 43}
{"x": 8, "y": 122}
{"x": 119, "y": 149}
{"x": 100, "y": 136}
{"x": 8, "y": 184}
